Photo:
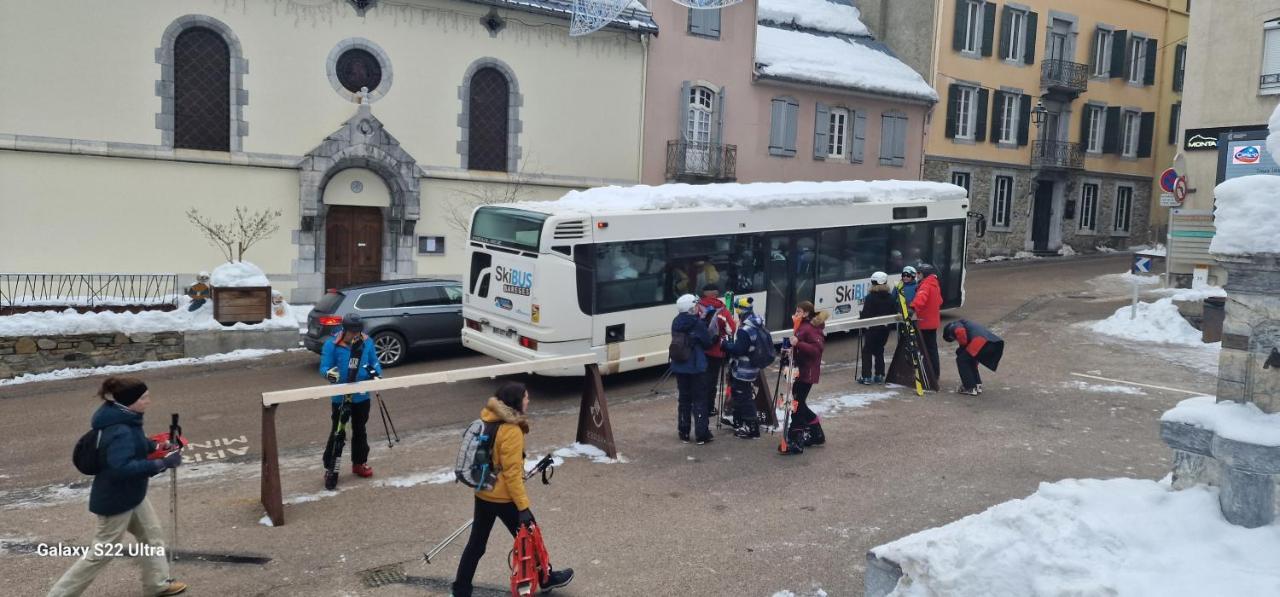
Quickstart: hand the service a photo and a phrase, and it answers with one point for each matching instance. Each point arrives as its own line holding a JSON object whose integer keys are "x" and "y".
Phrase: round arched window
{"x": 358, "y": 68}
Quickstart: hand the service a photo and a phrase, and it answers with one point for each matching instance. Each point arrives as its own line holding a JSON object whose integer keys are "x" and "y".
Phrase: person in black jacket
{"x": 119, "y": 492}
{"x": 878, "y": 303}
{"x": 977, "y": 345}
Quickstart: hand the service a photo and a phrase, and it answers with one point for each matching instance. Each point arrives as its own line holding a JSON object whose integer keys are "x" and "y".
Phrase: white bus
{"x": 599, "y": 271}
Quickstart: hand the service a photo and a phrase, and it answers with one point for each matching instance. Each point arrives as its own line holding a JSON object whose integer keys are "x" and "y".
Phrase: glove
{"x": 526, "y": 516}
{"x": 172, "y": 459}
{"x": 332, "y": 375}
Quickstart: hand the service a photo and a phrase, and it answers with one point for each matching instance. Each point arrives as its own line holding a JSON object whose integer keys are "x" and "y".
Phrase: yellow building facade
{"x": 1059, "y": 118}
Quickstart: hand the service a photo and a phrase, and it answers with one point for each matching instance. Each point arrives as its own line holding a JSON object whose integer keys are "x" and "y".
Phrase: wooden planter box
{"x": 248, "y": 304}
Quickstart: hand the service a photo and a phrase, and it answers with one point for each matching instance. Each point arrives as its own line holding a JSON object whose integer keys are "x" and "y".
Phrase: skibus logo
{"x": 852, "y": 292}
{"x": 1249, "y": 154}
{"x": 514, "y": 281}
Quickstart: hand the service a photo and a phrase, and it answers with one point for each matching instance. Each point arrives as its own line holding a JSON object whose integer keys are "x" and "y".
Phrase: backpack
{"x": 85, "y": 455}
{"x": 762, "y": 352}
{"x": 474, "y": 466}
{"x": 679, "y": 351}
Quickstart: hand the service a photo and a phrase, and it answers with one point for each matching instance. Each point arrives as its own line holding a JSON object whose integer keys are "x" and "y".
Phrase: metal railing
{"x": 695, "y": 161}
{"x": 1057, "y": 154}
{"x": 24, "y": 291}
{"x": 1064, "y": 75}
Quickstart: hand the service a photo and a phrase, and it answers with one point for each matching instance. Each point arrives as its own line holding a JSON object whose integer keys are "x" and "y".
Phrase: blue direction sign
{"x": 1141, "y": 264}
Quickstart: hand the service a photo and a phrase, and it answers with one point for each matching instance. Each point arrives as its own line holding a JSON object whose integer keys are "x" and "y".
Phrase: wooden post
{"x": 272, "y": 497}
{"x": 593, "y": 414}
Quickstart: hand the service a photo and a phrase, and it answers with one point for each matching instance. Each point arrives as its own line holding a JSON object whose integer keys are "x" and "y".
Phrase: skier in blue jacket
{"x": 335, "y": 365}
{"x": 691, "y": 324}
{"x": 742, "y": 374}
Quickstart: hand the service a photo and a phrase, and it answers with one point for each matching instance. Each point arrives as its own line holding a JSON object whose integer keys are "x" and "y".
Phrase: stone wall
{"x": 1251, "y": 332}
{"x": 38, "y": 354}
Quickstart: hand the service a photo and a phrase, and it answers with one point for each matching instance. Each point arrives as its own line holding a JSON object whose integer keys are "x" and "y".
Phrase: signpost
{"x": 1141, "y": 265}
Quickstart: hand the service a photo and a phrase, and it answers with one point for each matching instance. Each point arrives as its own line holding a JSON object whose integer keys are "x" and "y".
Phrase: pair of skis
{"x": 784, "y": 398}
{"x": 912, "y": 342}
{"x": 338, "y": 437}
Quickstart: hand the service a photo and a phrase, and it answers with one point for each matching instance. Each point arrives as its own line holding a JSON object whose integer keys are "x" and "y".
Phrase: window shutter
{"x": 1175, "y": 111}
{"x": 682, "y": 109}
{"x": 1179, "y": 66}
{"x": 988, "y": 27}
{"x": 1111, "y": 131}
{"x": 777, "y": 126}
{"x": 821, "y": 121}
{"x": 888, "y": 126}
{"x": 961, "y": 24}
{"x": 695, "y": 22}
{"x": 980, "y": 131}
{"x": 1029, "y": 49}
{"x": 1006, "y": 18}
{"x": 859, "y": 136}
{"x": 1093, "y": 51}
{"x": 1271, "y": 51}
{"x": 1024, "y": 119}
{"x": 997, "y": 117}
{"x": 900, "y": 141}
{"x": 1087, "y": 114}
{"x": 719, "y": 136}
{"x": 712, "y": 21}
{"x": 1119, "y": 54}
{"x": 793, "y": 117}
{"x": 953, "y": 95}
{"x": 1149, "y": 72}
{"x": 1146, "y": 131}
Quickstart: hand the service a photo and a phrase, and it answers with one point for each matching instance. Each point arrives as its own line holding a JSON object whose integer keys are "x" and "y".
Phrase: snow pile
{"x": 1247, "y": 216}
{"x": 238, "y": 273}
{"x": 754, "y": 195}
{"x": 1025, "y": 255}
{"x": 821, "y": 15}
{"x": 1104, "y": 388}
{"x": 1240, "y": 421}
{"x": 53, "y": 323}
{"x": 1158, "y": 250}
{"x": 266, "y": 521}
{"x": 1092, "y": 537}
{"x": 577, "y": 450}
{"x": 437, "y": 477}
{"x": 1155, "y": 322}
{"x": 1104, "y": 249}
{"x": 1192, "y": 294}
{"x": 836, "y": 61}
{"x": 1067, "y": 251}
{"x": 235, "y": 355}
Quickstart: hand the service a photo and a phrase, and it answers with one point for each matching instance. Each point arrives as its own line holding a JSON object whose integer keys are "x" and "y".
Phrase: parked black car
{"x": 398, "y": 314}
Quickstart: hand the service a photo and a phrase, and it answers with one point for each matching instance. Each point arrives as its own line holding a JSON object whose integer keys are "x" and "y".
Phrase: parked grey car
{"x": 399, "y": 315}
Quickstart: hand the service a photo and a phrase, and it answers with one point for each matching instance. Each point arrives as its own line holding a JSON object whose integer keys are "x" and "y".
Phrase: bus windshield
{"x": 507, "y": 227}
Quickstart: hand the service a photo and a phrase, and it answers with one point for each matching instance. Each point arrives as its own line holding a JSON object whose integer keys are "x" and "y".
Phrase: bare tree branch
{"x": 236, "y": 237}
{"x": 458, "y": 208}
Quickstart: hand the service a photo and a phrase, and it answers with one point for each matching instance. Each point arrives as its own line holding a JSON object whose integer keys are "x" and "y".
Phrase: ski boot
{"x": 815, "y": 436}
{"x": 796, "y": 440}
{"x": 748, "y": 430}
{"x": 362, "y": 470}
{"x": 330, "y": 480}
{"x": 877, "y": 380}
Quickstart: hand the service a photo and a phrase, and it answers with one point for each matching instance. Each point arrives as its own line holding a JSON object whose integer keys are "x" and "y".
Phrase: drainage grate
{"x": 389, "y": 574}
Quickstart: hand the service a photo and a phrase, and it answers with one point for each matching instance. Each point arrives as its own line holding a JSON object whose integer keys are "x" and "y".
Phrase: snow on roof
{"x": 754, "y": 195}
{"x": 634, "y": 17}
{"x": 841, "y": 61}
{"x": 1239, "y": 421}
{"x": 1247, "y": 217}
{"x": 820, "y": 15}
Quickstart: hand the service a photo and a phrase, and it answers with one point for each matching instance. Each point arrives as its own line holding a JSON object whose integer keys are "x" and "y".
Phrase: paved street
{"x": 731, "y": 518}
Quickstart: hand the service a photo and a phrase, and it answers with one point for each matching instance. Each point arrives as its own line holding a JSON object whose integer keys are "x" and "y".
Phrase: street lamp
{"x": 1038, "y": 114}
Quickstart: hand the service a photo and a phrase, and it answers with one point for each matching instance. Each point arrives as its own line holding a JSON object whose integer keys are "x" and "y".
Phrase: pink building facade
{"x": 778, "y": 90}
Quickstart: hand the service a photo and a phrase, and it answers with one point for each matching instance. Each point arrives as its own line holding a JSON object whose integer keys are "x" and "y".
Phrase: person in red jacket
{"x": 722, "y": 325}
{"x": 928, "y": 308}
{"x": 977, "y": 345}
{"x": 807, "y": 346}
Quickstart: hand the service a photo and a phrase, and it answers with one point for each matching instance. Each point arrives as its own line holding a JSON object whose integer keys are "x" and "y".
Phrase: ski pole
{"x": 447, "y": 540}
{"x": 175, "y": 435}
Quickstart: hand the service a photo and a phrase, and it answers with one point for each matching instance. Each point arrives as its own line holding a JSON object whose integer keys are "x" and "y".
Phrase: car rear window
{"x": 329, "y": 302}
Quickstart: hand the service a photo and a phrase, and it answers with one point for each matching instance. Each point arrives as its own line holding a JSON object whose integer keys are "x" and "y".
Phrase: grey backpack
{"x": 474, "y": 466}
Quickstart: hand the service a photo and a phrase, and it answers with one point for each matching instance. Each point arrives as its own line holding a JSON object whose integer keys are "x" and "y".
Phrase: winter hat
{"x": 123, "y": 390}
{"x": 879, "y": 278}
{"x": 927, "y": 269}
{"x": 743, "y": 304}
{"x": 352, "y": 323}
{"x": 202, "y": 277}
{"x": 909, "y": 271}
{"x": 687, "y": 303}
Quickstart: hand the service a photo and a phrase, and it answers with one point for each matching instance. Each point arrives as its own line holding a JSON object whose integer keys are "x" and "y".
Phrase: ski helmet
{"x": 687, "y": 303}
{"x": 879, "y": 278}
{"x": 352, "y": 323}
{"x": 909, "y": 271}
{"x": 949, "y": 332}
{"x": 927, "y": 269}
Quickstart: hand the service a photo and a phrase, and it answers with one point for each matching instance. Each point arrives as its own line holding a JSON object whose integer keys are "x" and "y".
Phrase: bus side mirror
{"x": 980, "y": 225}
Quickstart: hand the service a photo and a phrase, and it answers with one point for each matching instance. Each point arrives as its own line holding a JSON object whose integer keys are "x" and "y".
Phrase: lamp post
{"x": 1038, "y": 114}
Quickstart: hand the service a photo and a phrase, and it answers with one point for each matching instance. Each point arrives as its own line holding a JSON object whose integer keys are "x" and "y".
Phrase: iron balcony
{"x": 696, "y": 161}
{"x": 1062, "y": 76}
{"x": 1057, "y": 155}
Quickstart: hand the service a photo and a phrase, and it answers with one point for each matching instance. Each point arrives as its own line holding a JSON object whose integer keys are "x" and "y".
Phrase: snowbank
{"x": 577, "y": 450}
{"x": 1067, "y": 251}
{"x": 1243, "y": 422}
{"x": 1092, "y": 537}
{"x": 53, "y": 323}
{"x": 235, "y": 355}
{"x": 1247, "y": 216}
{"x": 754, "y": 195}
{"x": 238, "y": 273}
{"x": 832, "y": 60}
{"x": 821, "y": 15}
{"x": 1192, "y": 294}
{"x": 1156, "y": 322}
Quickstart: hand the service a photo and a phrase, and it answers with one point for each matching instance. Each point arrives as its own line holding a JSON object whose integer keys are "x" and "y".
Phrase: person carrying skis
{"x": 877, "y": 303}
{"x": 807, "y": 345}
{"x": 928, "y": 307}
{"x": 722, "y": 325}
{"x": 335, "y": 366}
{"x": 742, "y": 373}
{"x": 119, "y": 493}
{"x": 507, "y": 500}
{"x": 977, "y": 345}
{"x": 690, "y": 338}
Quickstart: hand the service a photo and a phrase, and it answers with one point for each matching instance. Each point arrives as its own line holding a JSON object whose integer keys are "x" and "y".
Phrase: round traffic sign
{"x": 1168, "y": 179}
{"x": 1180, "y": 189}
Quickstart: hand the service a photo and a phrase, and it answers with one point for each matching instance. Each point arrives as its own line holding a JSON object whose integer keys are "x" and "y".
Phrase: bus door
{"x": 947, "y": 240}
{"x": 791, "y": 272}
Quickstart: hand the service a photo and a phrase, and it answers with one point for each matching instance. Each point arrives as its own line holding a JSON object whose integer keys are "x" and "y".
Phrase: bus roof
{"x": 756, "y": 195}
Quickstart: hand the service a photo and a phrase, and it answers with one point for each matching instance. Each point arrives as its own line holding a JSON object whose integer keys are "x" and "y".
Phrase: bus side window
{"x": 747, "y": 264}
{"x": 479, "y": 263}
{"x": 868, "y": 248}
{"x": 831, "y": 256}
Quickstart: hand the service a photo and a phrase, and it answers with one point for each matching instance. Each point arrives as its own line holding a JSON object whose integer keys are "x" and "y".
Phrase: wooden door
{"x": 1041, "y": 215}
{"x": 353, "y": 245}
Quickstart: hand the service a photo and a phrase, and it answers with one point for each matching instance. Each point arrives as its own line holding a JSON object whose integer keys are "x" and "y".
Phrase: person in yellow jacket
{"x": 507, "y": 500}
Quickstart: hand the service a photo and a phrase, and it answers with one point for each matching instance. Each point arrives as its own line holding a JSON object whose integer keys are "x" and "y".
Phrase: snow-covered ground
{"x": 235, "y": 355}
{"x": 1126, "y": 537}
{"x": 1019, "y": 256}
